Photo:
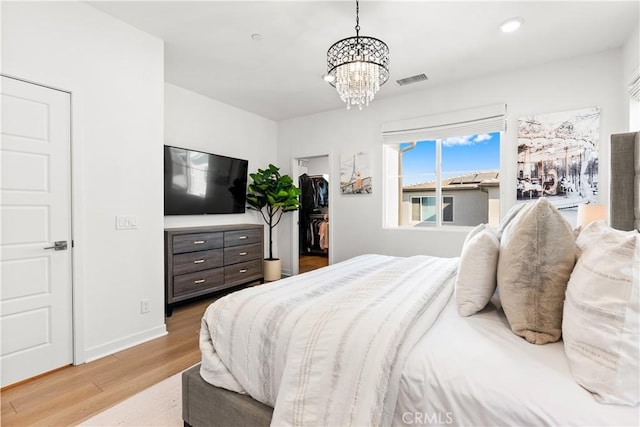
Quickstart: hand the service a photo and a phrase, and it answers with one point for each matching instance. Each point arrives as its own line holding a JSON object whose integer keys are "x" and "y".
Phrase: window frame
{"x": 392, "y": 221}
{"x": 435, "y": 126}
{"x": 453, "y": 218}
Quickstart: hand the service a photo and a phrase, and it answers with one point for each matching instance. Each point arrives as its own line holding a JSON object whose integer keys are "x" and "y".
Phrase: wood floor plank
{"x": 35, "y": 411}
{"x": 49, "y": 395}
{"x": 70, "y": 395}
{"x": 67, "y": 377}
{"x": 311, "y": 262}
{"x": 7, "y": 407}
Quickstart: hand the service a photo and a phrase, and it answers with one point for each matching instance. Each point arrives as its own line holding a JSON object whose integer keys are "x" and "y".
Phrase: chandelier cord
{"x": 357, "y": 19}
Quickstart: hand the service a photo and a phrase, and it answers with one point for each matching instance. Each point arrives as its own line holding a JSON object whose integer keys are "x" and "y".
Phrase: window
{"x": 443, "y": 169}
{"x": 468, "y": 168}
{"x": 423, "y": 209}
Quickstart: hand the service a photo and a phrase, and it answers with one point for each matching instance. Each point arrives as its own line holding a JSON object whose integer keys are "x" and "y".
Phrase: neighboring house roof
{"x": 472, "y": 181}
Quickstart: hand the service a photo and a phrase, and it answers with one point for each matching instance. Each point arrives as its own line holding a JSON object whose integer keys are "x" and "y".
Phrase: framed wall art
{"x": 355, "y": 174}
{"x": 558, "y": 157}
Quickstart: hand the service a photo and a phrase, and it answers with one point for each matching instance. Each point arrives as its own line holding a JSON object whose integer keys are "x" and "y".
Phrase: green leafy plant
{"x": 272, "y": 195}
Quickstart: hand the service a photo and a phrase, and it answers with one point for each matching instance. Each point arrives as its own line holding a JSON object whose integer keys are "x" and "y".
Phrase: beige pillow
{"x": 476, "y": 279}
{"x": 601, "y": 314}
{"x": 511, "y": 215}
{"x": 537, "y": 255}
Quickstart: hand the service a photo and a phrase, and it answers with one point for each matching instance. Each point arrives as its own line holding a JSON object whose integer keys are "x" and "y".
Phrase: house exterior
{"x": 467, "y": 200}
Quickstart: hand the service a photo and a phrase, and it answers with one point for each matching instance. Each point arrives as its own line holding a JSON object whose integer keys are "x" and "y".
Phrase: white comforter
{"x": 474, "y": 371}
{"x": 327, "y": 347}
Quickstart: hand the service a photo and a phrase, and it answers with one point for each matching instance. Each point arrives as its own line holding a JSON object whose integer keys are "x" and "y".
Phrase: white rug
{"x": 159, "y": 405}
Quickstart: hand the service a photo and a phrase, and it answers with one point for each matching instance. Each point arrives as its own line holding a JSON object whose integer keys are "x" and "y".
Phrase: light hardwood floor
{"x": 311, "y": 262}
{"x": 74, "y": 393}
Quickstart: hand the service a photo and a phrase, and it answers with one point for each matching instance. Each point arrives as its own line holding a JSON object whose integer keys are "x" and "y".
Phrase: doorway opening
{"x": 312, "y": 227}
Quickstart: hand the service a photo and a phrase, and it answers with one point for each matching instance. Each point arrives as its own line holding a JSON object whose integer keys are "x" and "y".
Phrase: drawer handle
{"x": 197, "y": 282}
{"x": 198, "y": 242}
{"x": 242, "y": 237}
{"x": 242, "y": 253}
{"x": 244, "y": 270}
{"x": 198, "y": 261}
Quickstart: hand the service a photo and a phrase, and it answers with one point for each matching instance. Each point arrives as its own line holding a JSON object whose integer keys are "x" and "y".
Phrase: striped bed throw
{"x": 326, "y": 348}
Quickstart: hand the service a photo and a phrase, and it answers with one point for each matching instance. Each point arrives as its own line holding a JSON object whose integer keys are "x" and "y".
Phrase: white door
{"x": 35, "y": 209}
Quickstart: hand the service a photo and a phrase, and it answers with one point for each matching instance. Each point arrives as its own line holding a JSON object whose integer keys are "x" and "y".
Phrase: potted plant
{"x": 272, "y": 195}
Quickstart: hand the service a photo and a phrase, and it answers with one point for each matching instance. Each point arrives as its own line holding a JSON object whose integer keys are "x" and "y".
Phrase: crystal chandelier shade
{"x": 358, "y": 66}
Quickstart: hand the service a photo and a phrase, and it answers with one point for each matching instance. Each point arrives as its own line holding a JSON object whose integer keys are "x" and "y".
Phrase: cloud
{"x": 459, "y": 140}
{"x": 482, "y": 137}
{"x": 466, "y": 140}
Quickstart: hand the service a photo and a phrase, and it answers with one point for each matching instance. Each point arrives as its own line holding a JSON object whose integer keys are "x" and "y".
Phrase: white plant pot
{"x": 272, "y": 270}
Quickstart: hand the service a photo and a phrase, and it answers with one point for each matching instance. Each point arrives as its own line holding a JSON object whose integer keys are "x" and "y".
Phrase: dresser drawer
{"x": 197, "y": 261}
{"x": 242, "y": 237}
{"x": 242, "y": 272}
{"x": 235, "y": 254}
{"x": 200, "y": 282}
{"x": 197, "y": 242}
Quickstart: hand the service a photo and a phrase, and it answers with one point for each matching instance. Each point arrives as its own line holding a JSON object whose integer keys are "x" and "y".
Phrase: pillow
{"x": 601, "y": 314}
{"x": 476, "y": 279}
{"x": 510, "y": 215}
{"x": 537, "y": 254}
{"x": 477, "y": 229}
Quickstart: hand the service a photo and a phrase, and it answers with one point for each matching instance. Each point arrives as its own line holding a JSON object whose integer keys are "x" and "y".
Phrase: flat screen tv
{"x": 197, "y": 183}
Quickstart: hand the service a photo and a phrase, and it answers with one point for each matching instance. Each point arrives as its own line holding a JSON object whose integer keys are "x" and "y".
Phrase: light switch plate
{"x": 126, "y": 222}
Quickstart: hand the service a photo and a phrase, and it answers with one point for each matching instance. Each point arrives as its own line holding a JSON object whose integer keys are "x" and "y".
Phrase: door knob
{"x": 60, "y": 245}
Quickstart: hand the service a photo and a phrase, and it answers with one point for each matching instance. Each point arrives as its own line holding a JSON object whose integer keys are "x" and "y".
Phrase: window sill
{"x": 448, "y": 228}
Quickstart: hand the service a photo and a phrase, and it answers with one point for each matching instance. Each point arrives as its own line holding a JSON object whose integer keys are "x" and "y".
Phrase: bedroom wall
{"x": 357, "y": 220}
{"x": 631, "y": 69}
{"x": 197, "y": 122}
{"x": 115, "y": 74}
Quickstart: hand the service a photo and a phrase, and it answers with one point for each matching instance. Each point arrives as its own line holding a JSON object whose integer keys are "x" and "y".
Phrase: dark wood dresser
{"x": 203, "y": 260}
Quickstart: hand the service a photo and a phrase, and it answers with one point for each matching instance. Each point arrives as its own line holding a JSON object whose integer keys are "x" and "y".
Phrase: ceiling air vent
{"x": 413, "y": 79}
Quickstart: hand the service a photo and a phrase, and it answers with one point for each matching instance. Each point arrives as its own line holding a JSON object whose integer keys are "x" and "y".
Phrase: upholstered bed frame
{"x": 625, "y": 181}
{"x": 206, "y": 405}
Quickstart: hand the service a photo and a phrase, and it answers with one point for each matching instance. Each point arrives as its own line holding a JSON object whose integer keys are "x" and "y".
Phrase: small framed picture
{"x": 355, "y": 174}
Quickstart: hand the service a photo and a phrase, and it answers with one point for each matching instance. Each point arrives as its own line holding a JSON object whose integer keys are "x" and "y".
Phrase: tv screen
{"x": 202, "y": 183}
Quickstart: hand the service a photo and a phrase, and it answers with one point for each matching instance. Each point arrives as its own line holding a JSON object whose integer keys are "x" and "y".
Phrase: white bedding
{"x": 462, "y": 371}
{"x": 326, "y": 348}
{"x": 475, "y": 372}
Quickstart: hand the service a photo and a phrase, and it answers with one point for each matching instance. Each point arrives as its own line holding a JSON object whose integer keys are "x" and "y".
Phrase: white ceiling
{"x": 209, "y": 49}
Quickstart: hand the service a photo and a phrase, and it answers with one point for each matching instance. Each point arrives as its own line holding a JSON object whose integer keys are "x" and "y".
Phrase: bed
{"x": 445, "y": 369}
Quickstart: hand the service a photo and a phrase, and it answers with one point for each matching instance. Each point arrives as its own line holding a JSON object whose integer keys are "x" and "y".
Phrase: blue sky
{"x": 459, "y": 156}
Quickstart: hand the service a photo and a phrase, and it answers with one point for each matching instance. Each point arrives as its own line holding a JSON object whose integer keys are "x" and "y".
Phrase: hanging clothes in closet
{"x": 323, "y": 233}
{"x": 314, "y": 203}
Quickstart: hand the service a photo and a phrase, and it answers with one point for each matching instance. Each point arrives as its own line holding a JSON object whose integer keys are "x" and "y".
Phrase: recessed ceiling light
{"x": 510, "y": 25}
{"x": 256, "y": 37}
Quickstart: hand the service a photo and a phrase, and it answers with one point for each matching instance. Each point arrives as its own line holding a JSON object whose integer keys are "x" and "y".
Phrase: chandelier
{"x": 358, "y": 66}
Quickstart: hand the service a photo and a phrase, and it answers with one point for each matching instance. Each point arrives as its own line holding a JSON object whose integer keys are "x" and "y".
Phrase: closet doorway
{"x": 312, "y": 226}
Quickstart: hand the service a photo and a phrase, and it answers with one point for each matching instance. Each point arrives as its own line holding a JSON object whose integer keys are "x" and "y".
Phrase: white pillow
{"x": 477, "y": 229}
{"x": 476, "y": 280}
{"x": 601, "y": 314}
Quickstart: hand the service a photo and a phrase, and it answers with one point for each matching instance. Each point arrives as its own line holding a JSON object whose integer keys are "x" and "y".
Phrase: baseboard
{"x": 286, "y": 272}
{"x": 124, "y": 343}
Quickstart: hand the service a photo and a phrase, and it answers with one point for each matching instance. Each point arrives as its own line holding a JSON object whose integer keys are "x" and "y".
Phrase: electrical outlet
{"x": 126, "y": 222}
{"x": 145, "y": 306}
